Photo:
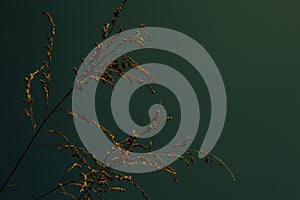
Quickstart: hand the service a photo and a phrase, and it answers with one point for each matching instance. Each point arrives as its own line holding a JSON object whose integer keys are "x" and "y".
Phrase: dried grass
{"x": 93, "y": 177}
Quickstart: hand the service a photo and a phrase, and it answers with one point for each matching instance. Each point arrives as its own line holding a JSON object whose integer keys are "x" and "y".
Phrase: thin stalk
{"x": 32, "y": 140}
{"x": 56, "y": 188}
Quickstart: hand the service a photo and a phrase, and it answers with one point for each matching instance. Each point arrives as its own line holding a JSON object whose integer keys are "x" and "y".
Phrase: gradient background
{"x": 256, "y": 47}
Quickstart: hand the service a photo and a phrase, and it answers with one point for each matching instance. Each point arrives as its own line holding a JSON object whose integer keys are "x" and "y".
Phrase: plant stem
{"x": 56, "y": 188}
{"x": 32, "y": 140}
{"x": 63, "y": 184}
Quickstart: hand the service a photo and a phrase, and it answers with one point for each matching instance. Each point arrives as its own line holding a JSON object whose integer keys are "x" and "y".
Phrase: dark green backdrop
{"x": 256, "y": 47}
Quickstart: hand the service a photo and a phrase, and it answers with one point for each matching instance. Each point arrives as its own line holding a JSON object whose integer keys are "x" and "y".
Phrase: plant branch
{"x": 57, "y": 187}
{"x": 32, "y": 140}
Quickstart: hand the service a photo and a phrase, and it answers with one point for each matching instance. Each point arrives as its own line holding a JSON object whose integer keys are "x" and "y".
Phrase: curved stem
{"x": 56, "y": 188}
{"x": 32, "y": 140}
{"x": 63, "y": 184}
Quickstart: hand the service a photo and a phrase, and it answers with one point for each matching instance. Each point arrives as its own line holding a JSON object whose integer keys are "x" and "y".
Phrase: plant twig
{"x": 32, "y": 140}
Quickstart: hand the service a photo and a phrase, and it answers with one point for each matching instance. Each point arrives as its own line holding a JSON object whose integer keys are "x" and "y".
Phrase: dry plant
{"x": 93, "y": 177}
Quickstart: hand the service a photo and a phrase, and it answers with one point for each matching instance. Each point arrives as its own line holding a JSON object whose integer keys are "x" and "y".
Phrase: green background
{"x": 256, "y": 47}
